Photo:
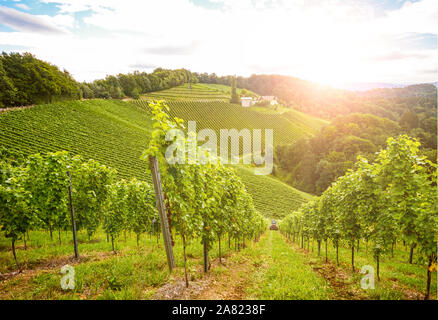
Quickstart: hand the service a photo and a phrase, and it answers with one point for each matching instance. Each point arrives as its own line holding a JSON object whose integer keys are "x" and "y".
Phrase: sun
{"x": 334, "y": 68}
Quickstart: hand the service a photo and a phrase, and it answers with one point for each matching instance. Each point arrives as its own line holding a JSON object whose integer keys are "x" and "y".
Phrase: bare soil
{"x": 228, "y": 282}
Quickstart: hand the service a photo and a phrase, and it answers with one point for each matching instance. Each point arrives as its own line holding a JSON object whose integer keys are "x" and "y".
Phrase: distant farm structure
{"x": 271, "y": 99}
{"x": 247, "y": 101}
{"x": 266, "y": 100}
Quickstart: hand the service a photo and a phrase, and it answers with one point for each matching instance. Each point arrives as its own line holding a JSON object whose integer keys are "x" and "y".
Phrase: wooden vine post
{"x": 205, "y": 255}
{"x": 161, "y": 207}
{"x": 205, "y": 245}
{"x": 72, "y": 214}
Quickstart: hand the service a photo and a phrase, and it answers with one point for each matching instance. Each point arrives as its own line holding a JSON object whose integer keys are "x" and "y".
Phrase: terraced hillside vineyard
{"x": 115, "y": 133}
{"x": 197, "y": 92}
{"x": 226, "y": 231}
{"x": 278, "y": 197}
{"x": 244, "y": 151}
{"x": 95, "y": 129}
{"x": 201, "y": 104}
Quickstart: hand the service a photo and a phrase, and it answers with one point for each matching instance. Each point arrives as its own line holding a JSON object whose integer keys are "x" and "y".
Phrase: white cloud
{"x": 421, "y": 17}
{"x": 25, "y": 22}
{"x": 22, "y": 6}
{"x": 323, "y": 41}
{"x": 62, "y": 20}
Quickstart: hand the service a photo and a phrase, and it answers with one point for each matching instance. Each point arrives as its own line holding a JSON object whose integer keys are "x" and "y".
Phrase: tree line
{"x": 328, "y": 103}
{"x": 312, "y": 163}
{"x": 134, "y": 84}
{"x": 26, "y": 80}
{"x": 381, "y": 202}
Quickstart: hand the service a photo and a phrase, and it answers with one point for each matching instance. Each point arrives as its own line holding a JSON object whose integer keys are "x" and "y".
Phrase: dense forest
{"x": 25, "y": 80}
{"x": 312, "y": 164}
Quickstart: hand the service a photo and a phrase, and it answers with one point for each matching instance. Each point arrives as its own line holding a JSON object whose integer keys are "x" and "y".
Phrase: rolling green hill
{"x": 116, "y": 132}
{"x": 226, "y": 89}
{"x": 198, "y": 92}
{"x": 272, "y": 197}
{"x": 209, "y": 107}
{"x": 110, "y": 131}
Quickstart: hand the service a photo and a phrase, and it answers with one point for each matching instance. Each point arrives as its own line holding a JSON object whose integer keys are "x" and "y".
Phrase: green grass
{"x": 269, "y": 269}
{"x": 285, "y": 275}
{"x": 133, "y": 273}
{"x": 398, "y": 278}
{"x": 136, "y": 273}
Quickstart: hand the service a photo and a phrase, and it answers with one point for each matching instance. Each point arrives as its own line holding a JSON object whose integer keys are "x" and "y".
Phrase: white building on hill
{"x": 272, "y": 99}
{"x": 246, "y": 101}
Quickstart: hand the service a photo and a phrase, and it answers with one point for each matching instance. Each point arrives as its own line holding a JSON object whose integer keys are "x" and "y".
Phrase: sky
{"x": 330, "y": 42}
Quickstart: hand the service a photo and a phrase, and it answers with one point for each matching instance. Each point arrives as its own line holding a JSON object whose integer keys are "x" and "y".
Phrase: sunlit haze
{"x": 330, "y": 42}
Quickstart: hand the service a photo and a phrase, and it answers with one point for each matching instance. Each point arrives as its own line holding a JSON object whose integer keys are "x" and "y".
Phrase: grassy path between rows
{"x": 269, "y": 269}
{"x": 287, "y": 274}
{"x": 272, "y": 268}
